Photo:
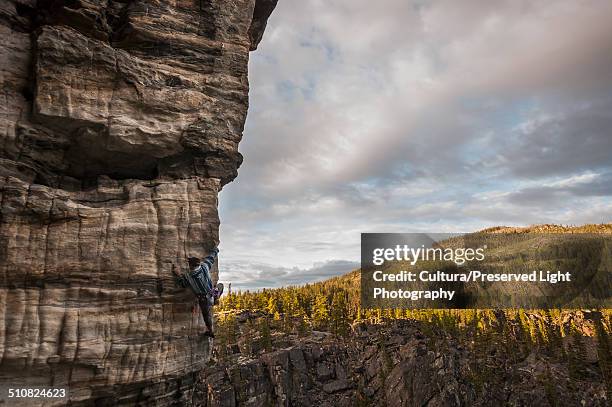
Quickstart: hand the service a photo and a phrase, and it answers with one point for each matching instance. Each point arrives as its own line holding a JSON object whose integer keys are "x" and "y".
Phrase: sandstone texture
{"x": 119, "y": 124}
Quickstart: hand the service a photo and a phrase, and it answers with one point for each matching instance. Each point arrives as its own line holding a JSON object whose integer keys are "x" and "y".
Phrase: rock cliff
{"x": 409, "y": 363}
{"x": 119, "y": 124}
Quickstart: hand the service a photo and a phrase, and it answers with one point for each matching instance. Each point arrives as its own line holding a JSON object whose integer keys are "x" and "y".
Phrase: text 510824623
{"x": 35, "y": 392}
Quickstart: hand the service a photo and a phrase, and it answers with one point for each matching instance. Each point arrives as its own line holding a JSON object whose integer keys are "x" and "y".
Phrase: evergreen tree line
{"x": 333, "y": 305}
{"x": 496, "y": 338}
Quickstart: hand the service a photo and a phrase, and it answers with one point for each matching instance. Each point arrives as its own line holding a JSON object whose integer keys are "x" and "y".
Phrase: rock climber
{"x": 199, "y": 280}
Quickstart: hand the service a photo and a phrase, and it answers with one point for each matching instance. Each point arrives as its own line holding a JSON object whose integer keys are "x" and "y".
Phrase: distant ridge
{"x": 603, "y": 228}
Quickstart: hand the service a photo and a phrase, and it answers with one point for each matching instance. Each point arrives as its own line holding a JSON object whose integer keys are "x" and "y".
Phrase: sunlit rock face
{"x": 119, "y": 124}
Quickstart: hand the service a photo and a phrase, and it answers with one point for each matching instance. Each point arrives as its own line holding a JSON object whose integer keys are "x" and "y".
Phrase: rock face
{"x": 119, "y": 124}
{"x": 403, "y": 364}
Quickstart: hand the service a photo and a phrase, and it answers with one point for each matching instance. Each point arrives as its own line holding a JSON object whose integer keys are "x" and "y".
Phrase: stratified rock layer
{"x": 119, "y": 124}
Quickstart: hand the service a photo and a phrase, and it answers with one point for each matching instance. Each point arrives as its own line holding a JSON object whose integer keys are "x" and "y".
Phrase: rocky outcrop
{"x": 120, "y": 123}
{"x": 403, "y": 364}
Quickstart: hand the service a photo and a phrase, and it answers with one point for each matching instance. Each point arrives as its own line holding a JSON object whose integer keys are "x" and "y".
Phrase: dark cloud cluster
{"x": 570, "y": 142}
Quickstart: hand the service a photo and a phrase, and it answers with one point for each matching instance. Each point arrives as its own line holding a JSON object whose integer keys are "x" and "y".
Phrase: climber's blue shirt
{"x": 200, "y": 280}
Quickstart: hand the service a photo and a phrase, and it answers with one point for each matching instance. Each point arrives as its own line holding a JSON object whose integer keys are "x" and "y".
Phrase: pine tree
{"x": 292, "y": 305}
{"x": 302, "y": 325}
{"x": 272, "y": 308}
{"x": 264, "y": 331}
{"x": 226, "y": 335}
{"x": 358, "y": 317}
{"x": 320, "y": 313}
{"x": 339, "y": 314}
{"x": 221, "y": 339}
{"x": 553, "y": 336}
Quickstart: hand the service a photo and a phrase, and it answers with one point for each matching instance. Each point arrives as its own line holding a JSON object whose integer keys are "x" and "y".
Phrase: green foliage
{"x": 494, "y": 338}
{"x": 272, "y": 307}
{"x": 340, "y": 314}
{"x": 226, "y": 334}
{"x": 320, "y": 312}
{"x": 334, "y": 305}
{"x": 264, "y": 332}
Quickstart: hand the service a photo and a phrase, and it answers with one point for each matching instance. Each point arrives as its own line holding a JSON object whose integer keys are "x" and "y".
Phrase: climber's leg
{"x": 207, "y": 314}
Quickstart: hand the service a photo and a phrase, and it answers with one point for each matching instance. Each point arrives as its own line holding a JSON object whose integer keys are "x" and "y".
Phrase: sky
{"x": 416, "y": 116}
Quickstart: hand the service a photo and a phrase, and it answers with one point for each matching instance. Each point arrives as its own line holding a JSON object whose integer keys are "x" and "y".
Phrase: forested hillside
{"x": 565, "y": 350}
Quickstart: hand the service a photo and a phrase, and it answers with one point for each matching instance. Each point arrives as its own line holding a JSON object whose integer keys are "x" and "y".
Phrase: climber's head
{"x": 193, "y": 262}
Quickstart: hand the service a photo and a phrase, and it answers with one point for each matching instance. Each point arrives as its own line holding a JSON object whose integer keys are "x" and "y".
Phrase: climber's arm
{"x": 181, "y": 281}
{"x": 210, "y": 259}
{"x": 208, "y": 262}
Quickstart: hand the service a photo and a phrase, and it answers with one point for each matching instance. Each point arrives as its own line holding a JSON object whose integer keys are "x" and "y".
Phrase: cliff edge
{"x": 119, "y": 124}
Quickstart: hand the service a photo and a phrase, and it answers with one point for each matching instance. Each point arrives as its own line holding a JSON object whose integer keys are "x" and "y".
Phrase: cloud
{"x": 419, "y": 116}
{"x": 247, "y": 275}
{"x": 568, "y": 190}
{"x": 574, "y": 140}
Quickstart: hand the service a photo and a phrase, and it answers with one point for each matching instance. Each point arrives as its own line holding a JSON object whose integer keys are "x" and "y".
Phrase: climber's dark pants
{"x": 207, "y": 312}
